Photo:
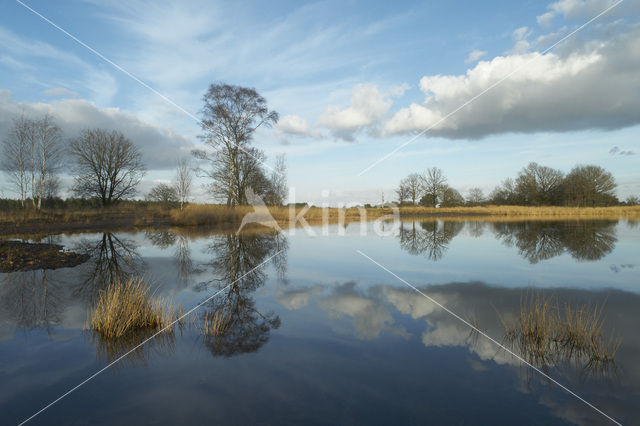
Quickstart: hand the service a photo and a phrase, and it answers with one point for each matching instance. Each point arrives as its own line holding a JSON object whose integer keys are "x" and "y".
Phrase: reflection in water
{"x": 537, "y": 241}
{"x": 183, "y": 260}
{"x": 376, "y": 310}
{"x": 33, "y": 299}
{"x": 241, "y": 327}
{"x": 108, "y": 350}
{"x": 112, "y": 259}
{"x": 430, "y": 239}
{"x": 162, "y": 238}
{"x": 586, "y": 240}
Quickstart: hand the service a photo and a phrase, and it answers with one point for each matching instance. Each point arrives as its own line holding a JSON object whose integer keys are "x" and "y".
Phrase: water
{"x": 321, "y": 334}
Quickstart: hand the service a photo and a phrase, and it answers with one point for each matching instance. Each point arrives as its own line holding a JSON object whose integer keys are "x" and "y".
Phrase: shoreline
{"x": 223, "y": 218}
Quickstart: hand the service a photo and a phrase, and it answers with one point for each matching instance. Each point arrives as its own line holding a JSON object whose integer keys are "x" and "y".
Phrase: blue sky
{"x": 351, "y": 81}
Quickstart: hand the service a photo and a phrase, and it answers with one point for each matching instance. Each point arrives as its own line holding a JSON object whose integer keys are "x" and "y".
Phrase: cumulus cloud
{"x": 474, "y": 56}
{"x": 160, "y": 146}
{"x": 296, "y": 126}
{"x": 595, "y": 86}
{"x": 368, "y": 106}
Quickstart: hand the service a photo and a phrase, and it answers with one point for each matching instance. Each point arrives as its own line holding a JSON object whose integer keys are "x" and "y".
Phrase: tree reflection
{"x": 430, "y": 239}
{"x": 33, "y": 299}
{"x": 112, "y": 259}
{"x": 537, "y": 241}
{"x": 244, "y": 328}
{"x": 162, "y": 238}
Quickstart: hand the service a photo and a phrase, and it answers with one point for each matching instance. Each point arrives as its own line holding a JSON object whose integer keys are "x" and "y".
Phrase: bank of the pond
{"x": 29, "y": 221}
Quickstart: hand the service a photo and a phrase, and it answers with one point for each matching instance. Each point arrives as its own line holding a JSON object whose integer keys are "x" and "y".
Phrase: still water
{"x": 320, "y": 334}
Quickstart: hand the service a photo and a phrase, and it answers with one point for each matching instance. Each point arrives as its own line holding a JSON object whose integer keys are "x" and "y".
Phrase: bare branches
{"x": 108, "y": 165}
{"x": 32, "y": 153}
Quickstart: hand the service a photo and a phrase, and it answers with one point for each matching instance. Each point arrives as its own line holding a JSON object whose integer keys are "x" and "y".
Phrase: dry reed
{"x": 127, "y": 306}
{"x": 547, "y": 334}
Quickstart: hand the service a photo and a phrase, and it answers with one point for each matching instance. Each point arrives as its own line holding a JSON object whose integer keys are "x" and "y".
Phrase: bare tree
{"x": 433, "y": 184}
{"x": 279, "y": 181}
{"x": 46, "y": 157}
{"x": 108, "y": 165}
{"x": 230, "y": 117}
{"x": 184, "y": 178}
{"x": 475, "y": 197}
{"x": 412, "y": 185}
{"x": 402, "y": 193}
{"x": 16, "y": 155}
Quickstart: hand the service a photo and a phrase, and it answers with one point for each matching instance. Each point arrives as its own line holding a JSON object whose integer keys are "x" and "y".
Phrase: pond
{"x": 330, "y": 329}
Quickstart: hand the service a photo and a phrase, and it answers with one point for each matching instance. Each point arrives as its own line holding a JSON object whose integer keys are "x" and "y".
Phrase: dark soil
{"x": 21, "y": 256}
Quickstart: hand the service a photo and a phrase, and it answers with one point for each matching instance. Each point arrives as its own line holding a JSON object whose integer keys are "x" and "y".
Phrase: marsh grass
{"x": 547, "y": 334}
{"x": 128, "y": 306}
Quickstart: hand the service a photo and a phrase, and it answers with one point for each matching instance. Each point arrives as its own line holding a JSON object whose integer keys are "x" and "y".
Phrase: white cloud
{"x": 368, "y": 105}
{"x": 595, "y": 86}
{"x": 474, "y": 56}
{"x": 545, "y": 19}
{"x": 295, "y": 125}
{"x": 60, "y": 92}
{"x": 160, "y": 146}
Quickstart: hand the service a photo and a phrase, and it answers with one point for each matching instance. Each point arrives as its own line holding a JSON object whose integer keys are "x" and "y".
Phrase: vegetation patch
{"x": 548, "y": 334}
{"x": 22, "y": 256}
{"x": 127, "y": 307}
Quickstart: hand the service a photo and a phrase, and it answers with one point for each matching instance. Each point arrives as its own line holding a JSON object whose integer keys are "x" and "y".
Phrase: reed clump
{"x": 128, "y": 306}
{"x": 548, "y": 334}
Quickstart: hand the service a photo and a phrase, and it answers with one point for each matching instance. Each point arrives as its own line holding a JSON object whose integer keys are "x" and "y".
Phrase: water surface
{"x": 321, "y": 334}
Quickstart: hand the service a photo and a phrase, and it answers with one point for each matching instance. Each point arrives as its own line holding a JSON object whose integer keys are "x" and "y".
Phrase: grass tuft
{"x": 128, "y": 306}
{"x": 547, "y": 334}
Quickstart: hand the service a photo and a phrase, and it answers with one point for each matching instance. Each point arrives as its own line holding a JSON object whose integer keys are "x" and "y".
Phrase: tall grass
{"x": 128, "y": 306}
{"x": 547, "y": 333}
{"x": 528, "y": 211}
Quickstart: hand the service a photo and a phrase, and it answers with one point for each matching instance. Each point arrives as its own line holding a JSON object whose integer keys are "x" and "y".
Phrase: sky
{"x": 477, "y": 89}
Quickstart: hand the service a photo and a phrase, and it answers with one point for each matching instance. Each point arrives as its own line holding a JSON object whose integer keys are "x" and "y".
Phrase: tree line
{"x": 535, "y": 185}
{"x": 107, "y": 167}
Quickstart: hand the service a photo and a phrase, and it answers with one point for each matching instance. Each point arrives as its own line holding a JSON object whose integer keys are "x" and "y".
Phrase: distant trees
{"x": 451, "y": 198}
{"x": 230, "y": 117}
{"x": 107, "y": 165}
{"x": 475, "y": 197}
{"x": 32, "y": 154}
{"x": 535, "y": 185}
{"x": 163, "y": 193}
{"x": 411, "y": 188}
{"x": 538, "y": 185}
{"x": 588, "y": 186}
{"x": 434, "y": 184}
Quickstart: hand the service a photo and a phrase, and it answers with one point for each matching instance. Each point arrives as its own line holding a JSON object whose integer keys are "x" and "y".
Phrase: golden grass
{"x": 631, "y": 212}
{"x": 546, "y": 334}
{"x": 128, "y": 306}
{"x": 220, "y": 216}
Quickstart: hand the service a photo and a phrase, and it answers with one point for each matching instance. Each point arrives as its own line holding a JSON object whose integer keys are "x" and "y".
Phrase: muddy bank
{"x": 21, "y": 256}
